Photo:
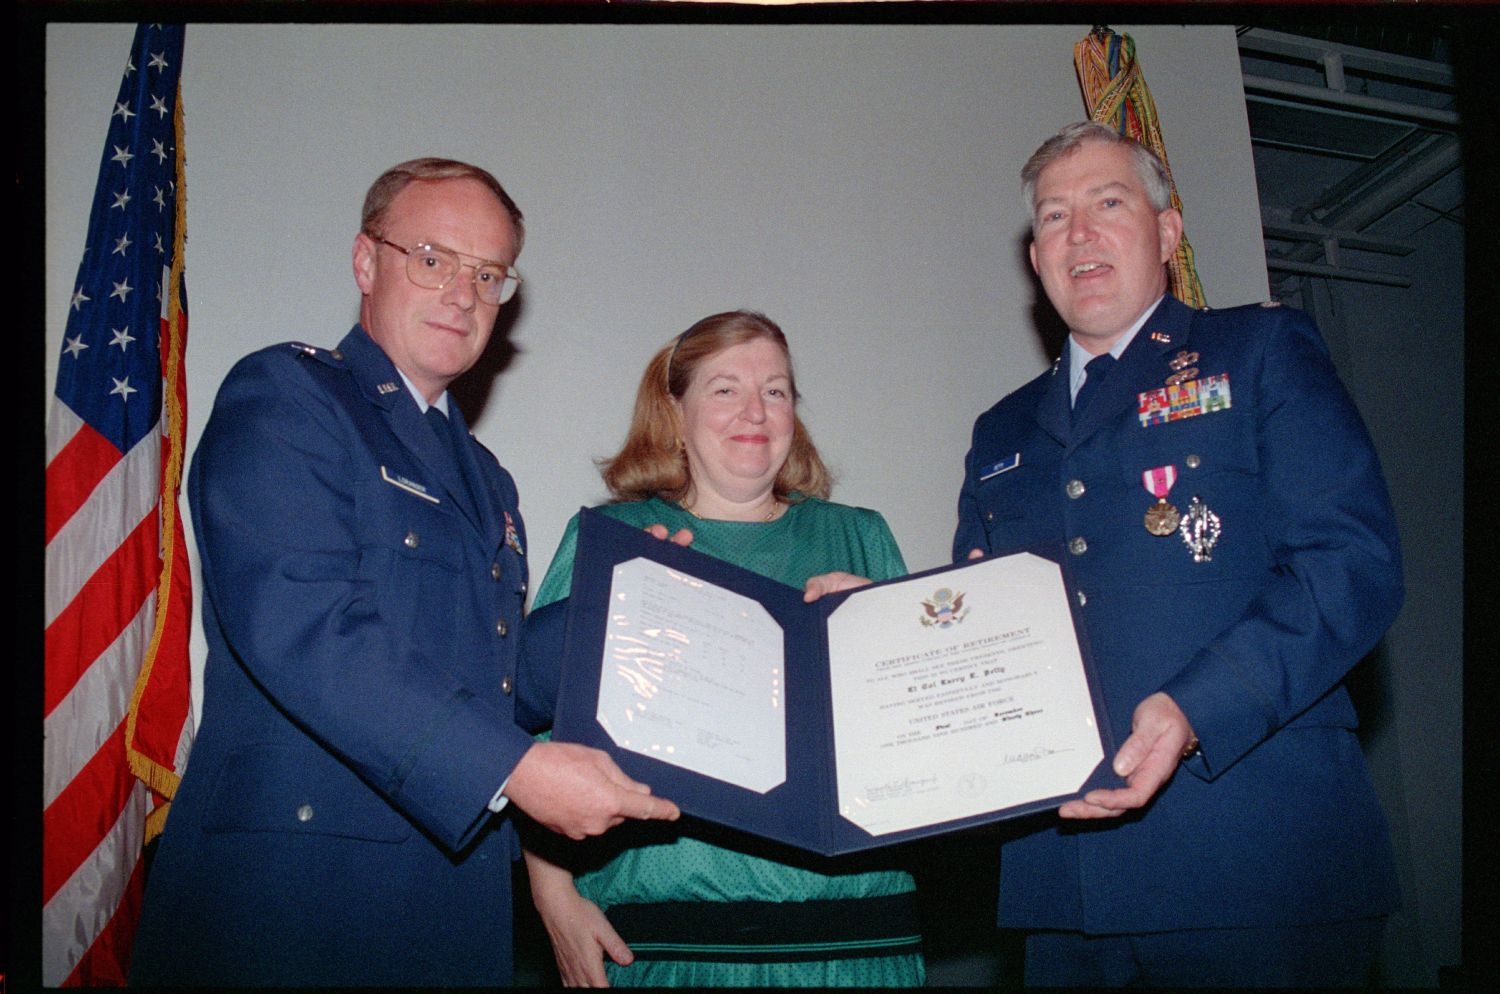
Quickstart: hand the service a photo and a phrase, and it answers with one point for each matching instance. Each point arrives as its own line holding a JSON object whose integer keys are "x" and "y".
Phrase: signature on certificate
{"x": 1031, "y": 755}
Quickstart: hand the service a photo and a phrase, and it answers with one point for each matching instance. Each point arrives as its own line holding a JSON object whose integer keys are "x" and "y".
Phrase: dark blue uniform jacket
{"x": 363, "y": 618}
{"x": 1275, "y": 822}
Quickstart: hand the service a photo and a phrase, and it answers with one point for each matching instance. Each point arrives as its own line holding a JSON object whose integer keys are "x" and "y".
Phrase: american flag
{"x": 117, "y": 721}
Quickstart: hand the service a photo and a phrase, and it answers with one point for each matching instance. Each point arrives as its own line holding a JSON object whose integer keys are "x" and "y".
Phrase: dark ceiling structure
{"x": 1356, "y": 148}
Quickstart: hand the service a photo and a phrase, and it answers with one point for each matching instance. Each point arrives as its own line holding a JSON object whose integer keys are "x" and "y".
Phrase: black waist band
{"x": 770, "y": 931}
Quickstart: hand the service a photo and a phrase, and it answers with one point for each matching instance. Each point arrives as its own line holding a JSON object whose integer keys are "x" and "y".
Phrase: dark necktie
{"x": 1094, "y": 373}
{"x": 444, "y": 431}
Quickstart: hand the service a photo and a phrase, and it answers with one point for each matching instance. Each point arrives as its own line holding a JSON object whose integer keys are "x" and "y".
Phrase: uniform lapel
{"x": 382, "y": 386}
{"x": 1142, "y": 366}
{"x": 1054, "y": 413}
{"x": 486, "y": 519}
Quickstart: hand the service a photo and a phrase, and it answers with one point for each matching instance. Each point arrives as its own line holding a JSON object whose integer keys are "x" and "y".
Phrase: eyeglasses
{"x": 433, "y": 268}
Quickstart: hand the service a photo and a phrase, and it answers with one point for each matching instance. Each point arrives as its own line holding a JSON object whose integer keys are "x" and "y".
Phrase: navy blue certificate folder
{"x": 802, "y": 810}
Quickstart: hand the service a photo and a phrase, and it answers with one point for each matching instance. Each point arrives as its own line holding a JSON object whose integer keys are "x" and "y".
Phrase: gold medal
{"x": 1162, "y": 518}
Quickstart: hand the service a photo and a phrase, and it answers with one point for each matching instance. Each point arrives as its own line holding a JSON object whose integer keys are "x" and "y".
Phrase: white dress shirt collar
{"x": 1078, "y": 358}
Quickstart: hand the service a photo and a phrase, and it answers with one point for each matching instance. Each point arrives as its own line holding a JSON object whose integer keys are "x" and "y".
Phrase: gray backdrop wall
{"x": 857, "y": 183}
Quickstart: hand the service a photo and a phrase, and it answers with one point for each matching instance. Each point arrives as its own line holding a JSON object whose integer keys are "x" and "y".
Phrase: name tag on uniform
{"x": 410, "y": 486}
{"x": 1003, "y": 466}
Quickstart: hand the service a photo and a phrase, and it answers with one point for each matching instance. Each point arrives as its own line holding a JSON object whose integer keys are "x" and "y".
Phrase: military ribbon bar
{"x": 512, "y": 539}
{"x": 1184, "y": 400}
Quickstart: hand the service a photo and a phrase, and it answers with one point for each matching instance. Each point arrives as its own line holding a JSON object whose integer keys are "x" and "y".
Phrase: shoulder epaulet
{"x": 331, "y": 357}
{"x": 1227, "y": 311}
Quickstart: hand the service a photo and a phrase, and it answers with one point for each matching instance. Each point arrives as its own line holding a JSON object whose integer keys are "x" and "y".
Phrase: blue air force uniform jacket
{"x": 1275, "y": 822}
{"x": 363, "y": 618}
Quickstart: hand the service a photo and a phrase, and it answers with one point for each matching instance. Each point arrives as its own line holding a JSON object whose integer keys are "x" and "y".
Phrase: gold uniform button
{"x": 411, "y": 541}
{"x": 337, "y": 355}
{"x": 500, "y": 628}
{"x": 1193, "y": 462}
{"x": 989, "y": 515}
{"x": 305, "y": 813}
{"x": 505, "y": 686}
{"x": 494, "y": 571}
{"x": 1078, "y": 546}
{"x": 1075, "y": 489}
{"x": 1082, "y": 598}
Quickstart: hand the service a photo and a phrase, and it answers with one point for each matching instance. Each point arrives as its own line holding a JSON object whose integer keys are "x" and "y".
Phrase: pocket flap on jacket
{"x": 277, "y": 789}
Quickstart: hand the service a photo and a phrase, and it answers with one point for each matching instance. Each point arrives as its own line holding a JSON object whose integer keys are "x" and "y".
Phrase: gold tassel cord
{"x": 1115, "y": 94}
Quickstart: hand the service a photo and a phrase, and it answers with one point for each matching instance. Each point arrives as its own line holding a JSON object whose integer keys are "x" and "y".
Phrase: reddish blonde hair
{"x": 653, "y": 463}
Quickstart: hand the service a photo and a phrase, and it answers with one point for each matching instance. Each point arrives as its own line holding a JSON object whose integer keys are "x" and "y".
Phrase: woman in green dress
{"x": 715, "y": 446}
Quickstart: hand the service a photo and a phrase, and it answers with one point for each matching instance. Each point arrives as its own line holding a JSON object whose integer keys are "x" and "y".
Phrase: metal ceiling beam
{"x": 1277, "y": 264}
{"x": 1413, "y": 174}
{"x": 1363, "y": 61}
{"x": 1447, "y": 120}
{"x": 1287, "y": 231}
{"x": 1374, "y": 190}
{"x": 1365, "y": 206}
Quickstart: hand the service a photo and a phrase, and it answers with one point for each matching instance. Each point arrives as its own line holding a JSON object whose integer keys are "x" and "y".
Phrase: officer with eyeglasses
{"x": 345, "y": 816}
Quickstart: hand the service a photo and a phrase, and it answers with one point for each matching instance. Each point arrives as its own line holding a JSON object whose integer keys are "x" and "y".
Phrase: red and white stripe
{"x": 104, "y": 568}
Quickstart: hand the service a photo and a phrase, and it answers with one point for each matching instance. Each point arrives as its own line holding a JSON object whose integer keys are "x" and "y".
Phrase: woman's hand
{"x": 831, "y": 583}
{"x": 581, "y": 935}
{"x": 680, "y": 537}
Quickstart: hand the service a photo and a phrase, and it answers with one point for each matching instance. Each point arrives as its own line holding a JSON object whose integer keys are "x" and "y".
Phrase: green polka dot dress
{"x": 702, "y": 913}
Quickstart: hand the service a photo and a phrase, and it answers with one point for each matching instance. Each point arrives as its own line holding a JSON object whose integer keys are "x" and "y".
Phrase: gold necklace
{"x": 776, "y": 506}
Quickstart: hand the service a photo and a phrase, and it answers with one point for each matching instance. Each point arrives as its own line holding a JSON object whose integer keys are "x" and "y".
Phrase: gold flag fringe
{"x": 160, "y": 778}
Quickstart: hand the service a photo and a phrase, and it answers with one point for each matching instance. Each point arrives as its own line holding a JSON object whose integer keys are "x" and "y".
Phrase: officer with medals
{"x": 345, "y": 819}
{"x": 1233, "y": 551}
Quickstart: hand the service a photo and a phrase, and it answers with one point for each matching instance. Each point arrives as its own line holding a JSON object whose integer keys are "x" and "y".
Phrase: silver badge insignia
{"x": 1200, "y": 529}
